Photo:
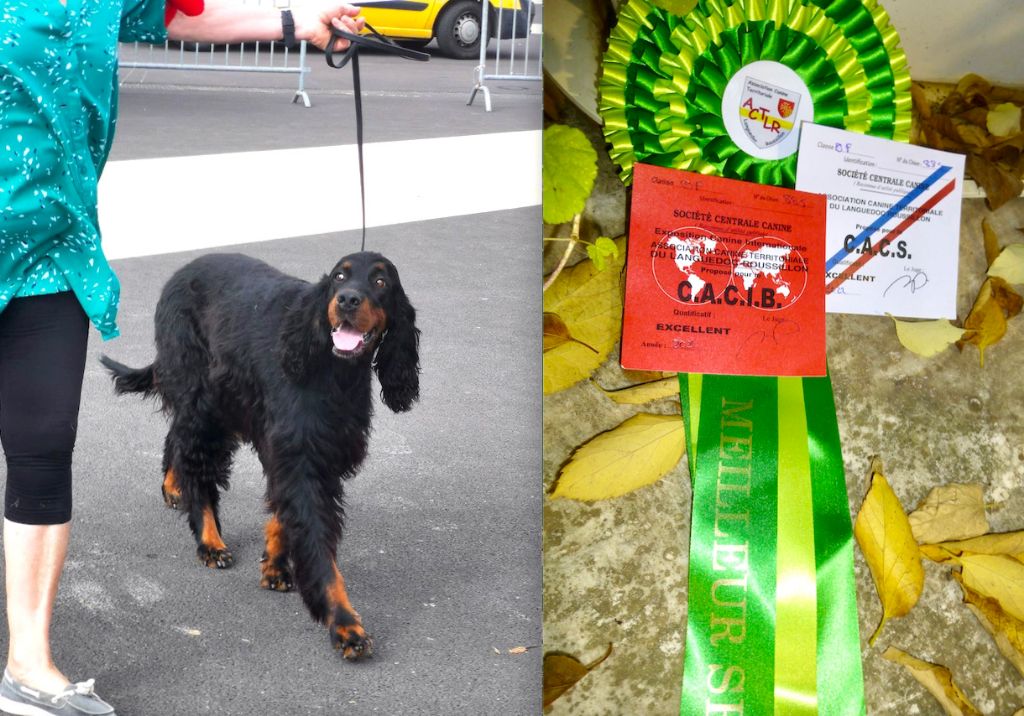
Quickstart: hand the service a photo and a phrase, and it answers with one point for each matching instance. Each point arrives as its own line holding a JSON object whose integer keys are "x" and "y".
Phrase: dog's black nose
{"x": 349, "y": 300}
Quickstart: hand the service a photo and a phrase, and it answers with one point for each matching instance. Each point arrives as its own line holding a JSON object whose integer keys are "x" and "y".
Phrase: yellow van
{"x": 455, "y": 23}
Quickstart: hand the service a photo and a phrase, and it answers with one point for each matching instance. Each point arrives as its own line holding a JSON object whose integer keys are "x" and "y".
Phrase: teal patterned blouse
{"x": 58, "y": 107}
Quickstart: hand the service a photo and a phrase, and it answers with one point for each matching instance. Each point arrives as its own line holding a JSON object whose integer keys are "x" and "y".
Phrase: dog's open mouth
{"x": 349, "y": 341}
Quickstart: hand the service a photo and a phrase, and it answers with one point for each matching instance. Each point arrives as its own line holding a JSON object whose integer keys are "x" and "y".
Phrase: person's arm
{"x": 224, "y": 21}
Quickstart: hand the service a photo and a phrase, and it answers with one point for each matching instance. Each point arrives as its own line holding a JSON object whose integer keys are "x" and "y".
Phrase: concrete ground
{"x": 441, "y": 551}
{"x": 615, "y": 571}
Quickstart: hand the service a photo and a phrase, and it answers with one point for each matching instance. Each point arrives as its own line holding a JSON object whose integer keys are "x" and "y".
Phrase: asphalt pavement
{"x": 442, "y": 546}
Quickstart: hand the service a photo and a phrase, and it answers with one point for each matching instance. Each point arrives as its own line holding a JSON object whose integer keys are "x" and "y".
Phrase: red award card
{"x": 723, "y": 276}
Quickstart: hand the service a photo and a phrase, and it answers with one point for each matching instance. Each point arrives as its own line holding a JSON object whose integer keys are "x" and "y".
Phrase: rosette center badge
{"x": 762, "y": 108}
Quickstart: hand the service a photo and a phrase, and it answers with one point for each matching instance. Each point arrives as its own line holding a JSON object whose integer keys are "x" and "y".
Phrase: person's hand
{"x": 313, "y": 23}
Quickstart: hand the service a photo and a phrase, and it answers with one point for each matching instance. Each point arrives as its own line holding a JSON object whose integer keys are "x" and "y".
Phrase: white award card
{"x": 892, "y": 225}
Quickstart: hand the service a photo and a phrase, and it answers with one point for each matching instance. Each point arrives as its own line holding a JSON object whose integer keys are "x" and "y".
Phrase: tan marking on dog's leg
{"x": 275, "y": 573}
{"x": 347, "y": 632}
{"x": 210, "y": 535}
{"x": 170, "y": 490}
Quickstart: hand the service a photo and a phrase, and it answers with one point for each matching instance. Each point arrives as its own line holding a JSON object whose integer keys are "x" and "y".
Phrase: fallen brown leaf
{"x": 1000, "y": 184}
{"x": 938, "y": 680}
{"x": 996, "y": 302}
{"x": 562, "y": 671}
{"x": 982, "y": 122}
{"x": 556, "y": 333}
{"x": 974, "y": 89}
{"x": 920, "y": 99}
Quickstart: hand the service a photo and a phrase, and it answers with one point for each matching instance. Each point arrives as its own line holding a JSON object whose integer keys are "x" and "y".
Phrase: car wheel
{"x": 458, "y": 30}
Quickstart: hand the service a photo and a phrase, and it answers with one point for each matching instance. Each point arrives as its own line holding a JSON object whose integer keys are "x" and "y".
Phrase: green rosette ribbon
{"x": 772, "y": 617}
{"x": 664, "y": 76}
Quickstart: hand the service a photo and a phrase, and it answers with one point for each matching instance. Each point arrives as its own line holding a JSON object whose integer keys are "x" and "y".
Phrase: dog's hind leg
{"x": 201, "y": 465}
{"x": 276, "y": 573}
{"x": 169, "y": 488}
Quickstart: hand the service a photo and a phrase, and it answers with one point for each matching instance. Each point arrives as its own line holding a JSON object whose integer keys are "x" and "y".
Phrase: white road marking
{"x": 155, "y": 206}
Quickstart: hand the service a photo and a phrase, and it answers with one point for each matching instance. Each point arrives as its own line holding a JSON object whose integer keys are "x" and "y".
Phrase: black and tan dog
{"x": 248, "y": 354}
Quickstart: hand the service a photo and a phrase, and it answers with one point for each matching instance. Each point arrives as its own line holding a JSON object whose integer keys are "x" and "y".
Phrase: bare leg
{"x": 34, "y": 558}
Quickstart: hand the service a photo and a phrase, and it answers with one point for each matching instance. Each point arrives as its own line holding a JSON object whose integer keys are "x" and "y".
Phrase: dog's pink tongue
{"x": 346, "y": 339}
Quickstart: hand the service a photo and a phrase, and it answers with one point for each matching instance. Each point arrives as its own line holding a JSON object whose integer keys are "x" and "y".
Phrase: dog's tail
{"x": 130, "y": 380}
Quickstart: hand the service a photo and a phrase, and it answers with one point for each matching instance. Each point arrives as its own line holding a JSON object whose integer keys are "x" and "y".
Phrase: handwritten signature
{"x": 780, "y": 331}
{"x": 911, "y": 282}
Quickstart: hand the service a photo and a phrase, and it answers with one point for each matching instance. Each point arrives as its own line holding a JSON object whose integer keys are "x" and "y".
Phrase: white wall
{"x": 946, "y": 39}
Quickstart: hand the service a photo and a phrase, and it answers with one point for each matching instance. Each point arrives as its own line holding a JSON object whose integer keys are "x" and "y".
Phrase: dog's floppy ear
{"x": 304, "y": 334}
{"x": 398, "y": 360}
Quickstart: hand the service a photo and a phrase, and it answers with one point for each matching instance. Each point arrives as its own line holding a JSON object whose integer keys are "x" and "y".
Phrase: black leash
{"x": 378, "y": 41}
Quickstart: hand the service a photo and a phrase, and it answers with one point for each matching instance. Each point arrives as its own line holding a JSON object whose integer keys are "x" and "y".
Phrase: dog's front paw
{"x": 215, "y": 557}
{"x": 275, "y": 578}
{"x": 349, "y": 637}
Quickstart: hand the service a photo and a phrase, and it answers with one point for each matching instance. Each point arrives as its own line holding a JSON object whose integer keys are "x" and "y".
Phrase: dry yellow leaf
{"x": 995, "y": 303}
{"x": 1006, "y": 631}
{"x": 1008, "y": 543}
{"x": 938, "y": 680}
{"x": 1009, "y": 265}
{"x": 885, "y": 538}
{"x": 991, "y": 242}
{"x": 644, "y": 392}
{"x": 636, "y": 453}
{"x": 1003, "y": 119}
{"x": 997, "y": 576}
{"x": 950, "y": 512}
{"x": 589, "y": 303}
{"x": 927, "y": 338}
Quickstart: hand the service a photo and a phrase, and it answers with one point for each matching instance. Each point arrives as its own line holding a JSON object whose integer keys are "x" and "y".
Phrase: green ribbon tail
{"x": 840, "y": 676}
{"x": 772, "y": 614}
{"x": 730, "y": 633}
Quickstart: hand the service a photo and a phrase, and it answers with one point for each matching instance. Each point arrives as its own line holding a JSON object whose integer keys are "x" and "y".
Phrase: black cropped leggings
{"x": 42, "y": 362}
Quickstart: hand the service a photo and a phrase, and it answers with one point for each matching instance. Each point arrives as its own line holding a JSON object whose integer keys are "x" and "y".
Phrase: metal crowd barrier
{"x": 506, "y": 65}
{"x": 268, "y": 57}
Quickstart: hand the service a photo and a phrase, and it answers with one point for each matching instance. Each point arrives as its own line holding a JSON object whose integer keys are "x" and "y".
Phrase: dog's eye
{"x": 380, "y": 283}
{"x": 339, "y": 276}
